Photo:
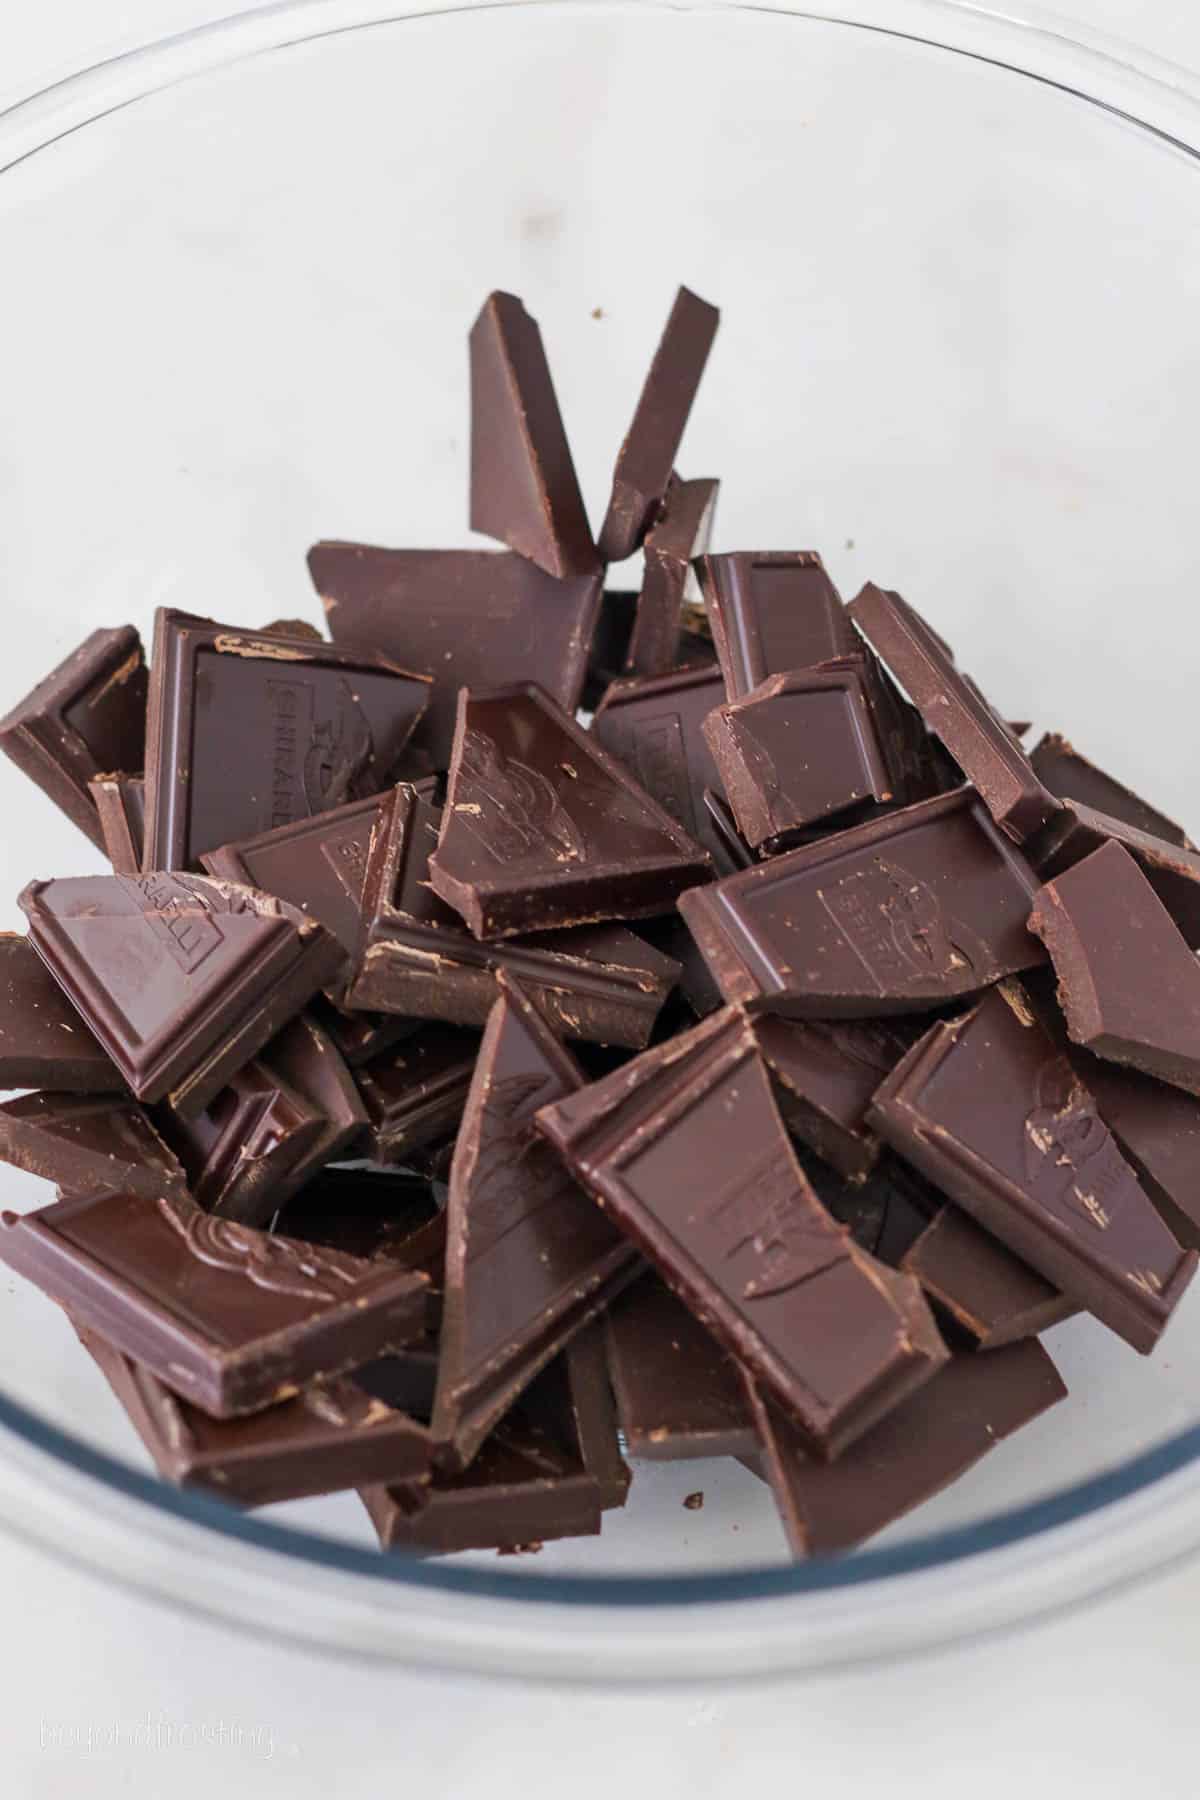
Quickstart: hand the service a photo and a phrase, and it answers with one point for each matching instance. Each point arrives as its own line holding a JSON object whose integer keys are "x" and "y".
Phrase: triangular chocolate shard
{"x": 524, "y": 490}
{"x": 247, "y": 733}
{"x": 88, "y": 1143}
{"x": 529, "y": 1256}
{"x": 182, "y": 979}
{"x": 543, "y": 828}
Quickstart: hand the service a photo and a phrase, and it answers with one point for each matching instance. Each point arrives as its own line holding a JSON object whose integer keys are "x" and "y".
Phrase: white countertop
{"x": 104, "y": 1694}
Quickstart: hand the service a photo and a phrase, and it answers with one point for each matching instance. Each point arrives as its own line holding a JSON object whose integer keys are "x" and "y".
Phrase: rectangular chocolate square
{"x": 678, "y": 1394}
{"x": 771, "y": 612}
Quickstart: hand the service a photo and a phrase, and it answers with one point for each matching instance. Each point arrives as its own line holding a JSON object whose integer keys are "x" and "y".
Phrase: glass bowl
{"x": 958, "y": 262}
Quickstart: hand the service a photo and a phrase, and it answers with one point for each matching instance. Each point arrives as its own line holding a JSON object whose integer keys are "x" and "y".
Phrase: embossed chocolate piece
{"x": 931, "y": 1438}
{"x": 87, "y": 1142}
{"x": 798, "y": 749}
{"x": 678, "y": 1394}
{"x": 543, "y": 828}
{"x": 182, "y": 979}
{"x": 654, "y": 725}
{"x": 415, "y": 1093}
{"x": 955, "y": 711}
{"x": 465, "y": 618}
{"x": 228, "y": 1317}
{"x": 1172, "y": 871}
{"x": 524, "y": 490}
{"x": 1158, "y": 1128}
{"x": 984, "y": 1288}
{"x": 1070, "y": 776}
{"x": 825, "y": 1075}
{"x": 417, "y": 957}
{"x": 331, "y": 1436}
{"x": 88, "y": 716}
{"x": 686, "y": 1150}
{"x": 679, "y": 533}
{"x": 120, "y": 802}
{"x": 647, "y": 456}
{"x": 906, "y": 912}
{"x": 987, "y": 1108}
{"x": 772, "y": 612}
{"x": 247, "y": 733}
{"x": 43, "y": 1040}
{"x": 530, "y": 1258}
{"x": 1127, "y": 983}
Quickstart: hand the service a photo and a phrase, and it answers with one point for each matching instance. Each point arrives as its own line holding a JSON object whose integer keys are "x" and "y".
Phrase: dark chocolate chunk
{"x": 466, "y": 618}
{"x": 1070, "y": 776}
{"x": 120, "y": 802}
{"x": 678, "y": 1394}
{"x": 610, "y": 645}
{"x": 245, "y": 734}
{"x": 1127, "y": 982}
{"x": 772, "y": 612}
{"x": 87, "y": 717}
{"x": 418, "y": 958}
{"x": 982, "y": 1286}
{"x": 361, "y": 1036}
{"x": 955, "y": 711}
{"x": 230, "y": 1318}
{"x": 654, "y": 725}
{"x": 85, "y": 1143}
{"x": 524, "y": 490}
{"x": 825, "y": 1075}
{"x": 903, "y": 913}
{"x": 931, "y": 1439}
{"x": 530, "y": 1257}
{"x": 798, "y": 749}
{"x": 43, "y": 1040}
{"x": 647, "y": 456}
{"x": 1172, "y": 871}
{"x": 365, "y": 1212}
{"x": 685, "y": 1148}
{"x": 415, "y": 1093}
{"x": 678, "y": 535}
{"x": 182, "y": 979}
{"x": 240, "y": 1150}
{"x": 1158, "y": 1128}
{"x": 333, "y": 1435}
{"x": 990, "y": 1112}
{"x": 543, "y": 828}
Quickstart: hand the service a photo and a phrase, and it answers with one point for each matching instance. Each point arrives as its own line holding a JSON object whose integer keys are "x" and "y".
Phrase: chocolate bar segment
{"x": 647, "y": 456}
{"x": 333, "y": 1435}
{"x": 524, "y": 490}
{"x": 990, "y": 1293}
{"x": 825, "y": 1076}
{"x": 120, "y": 802}
{"x": 230, "y": 1318}
{"x": 901, "y": 914}
{"x": 772, "y": 612}
{"x": 679, "y": 534}
{"x": 955, "y": 711}
{"x": 678, "y": 1394}
{"x": 182, "y": 979}
{"x": 543, "y": 828}
{"x": 465, "y": 618}
{"x": 84, "y": 1143}
{"x": 43, "y": 1041}
{"x": 1061, "y": 768}
{"x": 417, "y": 957}
{"x": 655, "y": 726}
{"x": 932, "y": 1438}
{"x": 414, "y": 1094}
{"x": 365, "y": 1212}
{"x": 1127, "y": 982}
{"x": 686, "y": 1150}
{"x": 530, "y": 1258}
{"x": 1172, "y": 871}
{"x": 247, "y": 733}
{"x": 1158, "y": 1128}
{"x": 86, "y": 717}
{"x": 990, "y": 1112}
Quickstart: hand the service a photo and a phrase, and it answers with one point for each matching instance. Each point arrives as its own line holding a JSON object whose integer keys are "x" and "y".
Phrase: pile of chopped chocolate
{"x": 441, "y": 1085}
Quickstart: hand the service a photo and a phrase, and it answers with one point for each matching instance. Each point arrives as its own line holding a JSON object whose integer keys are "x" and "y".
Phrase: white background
{"x": 1102, "y": 1703}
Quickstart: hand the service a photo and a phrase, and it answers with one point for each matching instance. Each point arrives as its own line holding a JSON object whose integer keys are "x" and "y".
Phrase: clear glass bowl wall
{"x": 957, "y": 261}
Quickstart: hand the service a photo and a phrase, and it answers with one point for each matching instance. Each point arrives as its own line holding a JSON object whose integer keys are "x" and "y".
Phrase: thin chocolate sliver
{"x": 465, "y": 618}
{"x": 182, "y": 979}
{"x": 84, "y": 1143}
{"x": 120, "y": 802}
{"x": 88, "y": 716}
{"x": 44, "y": 1043}
{"x": 1070, "y": 776}
{"x": 333, "y": 1435}
{"x": 1128, "y": 984}
{"x": 543, "y": 828}
{"x": 772, "y": 612}
{"x": 647, "y": 456}
{"x": 686, "y": 1150}
{"x": 990, "y": 1293}
{"x": 678, "y": 1394}
{"x": 926, "y": 1443}
{"x": 530, "y": 1258}
{"x": 524, "y": 490}
{"x": 228, "y": 1317}
{"x": 679, "y": 534}
{"x": 990, "y": 1111}
{"x": 906, "y": 912}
